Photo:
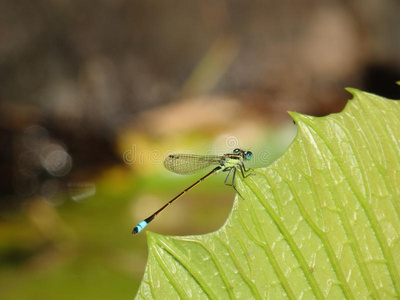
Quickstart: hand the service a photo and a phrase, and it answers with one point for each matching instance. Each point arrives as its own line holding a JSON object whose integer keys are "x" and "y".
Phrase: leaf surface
{"x": 321, "y": 222}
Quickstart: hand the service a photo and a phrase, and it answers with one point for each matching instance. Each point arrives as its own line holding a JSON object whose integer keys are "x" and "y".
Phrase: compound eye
{"x": 237, "y": 150}
{"x": 248, "y": 155}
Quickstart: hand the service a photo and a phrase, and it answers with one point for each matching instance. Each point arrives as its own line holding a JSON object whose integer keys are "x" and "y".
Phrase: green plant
{"x": 323, "y": 221}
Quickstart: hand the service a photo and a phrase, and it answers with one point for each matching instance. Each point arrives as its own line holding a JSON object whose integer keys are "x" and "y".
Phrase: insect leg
{"x": 227, "y": 176}
{"x": 243, "y": 170}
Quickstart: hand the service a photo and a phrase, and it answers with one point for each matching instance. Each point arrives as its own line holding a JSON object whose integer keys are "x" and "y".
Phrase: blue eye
{"x": 248, "y": 155}
{"x": 237, "y": 150}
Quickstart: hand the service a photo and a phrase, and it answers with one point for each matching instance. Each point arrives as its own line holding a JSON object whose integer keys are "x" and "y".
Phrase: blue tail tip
{"x": 139, "y": 227}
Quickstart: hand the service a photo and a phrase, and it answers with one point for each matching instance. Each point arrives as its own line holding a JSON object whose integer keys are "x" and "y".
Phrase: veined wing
{"x": 190, "y": 163}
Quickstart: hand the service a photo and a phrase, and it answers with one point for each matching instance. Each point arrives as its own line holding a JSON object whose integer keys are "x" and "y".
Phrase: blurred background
{"x": 94, "y": 94}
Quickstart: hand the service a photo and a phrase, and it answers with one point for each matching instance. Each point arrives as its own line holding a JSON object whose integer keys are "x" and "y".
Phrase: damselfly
{"x": 191, "y": 163}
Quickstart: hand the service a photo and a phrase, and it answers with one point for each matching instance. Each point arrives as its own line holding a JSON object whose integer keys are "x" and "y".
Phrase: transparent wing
{"x": 190, "y": 163}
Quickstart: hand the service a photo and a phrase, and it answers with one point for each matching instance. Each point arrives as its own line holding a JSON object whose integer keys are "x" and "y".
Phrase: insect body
{"x": 191, "y": 163}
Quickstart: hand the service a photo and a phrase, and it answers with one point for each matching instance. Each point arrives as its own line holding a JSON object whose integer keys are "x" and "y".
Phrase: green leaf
{"x": 321, "y": 222}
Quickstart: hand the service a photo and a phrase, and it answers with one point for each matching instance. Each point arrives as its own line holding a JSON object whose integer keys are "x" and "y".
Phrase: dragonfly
{"x": 185, "y": 164}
